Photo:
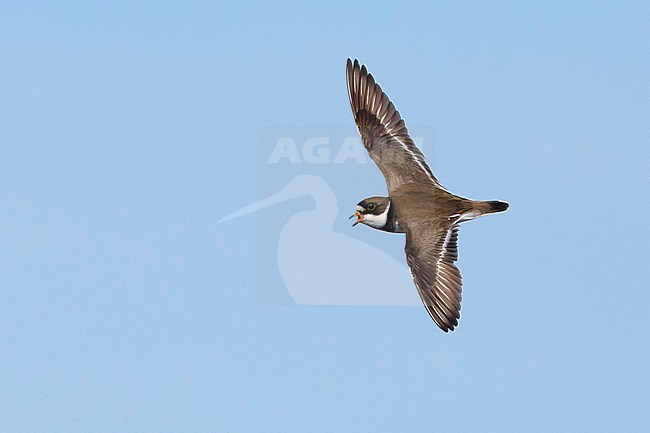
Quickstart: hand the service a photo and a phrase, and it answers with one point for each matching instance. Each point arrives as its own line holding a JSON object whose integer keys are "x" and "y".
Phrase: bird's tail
{"x": 486, "y": 207}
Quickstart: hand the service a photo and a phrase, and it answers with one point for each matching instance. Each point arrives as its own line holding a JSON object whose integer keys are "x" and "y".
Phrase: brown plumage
{"x": 417, "y": 203}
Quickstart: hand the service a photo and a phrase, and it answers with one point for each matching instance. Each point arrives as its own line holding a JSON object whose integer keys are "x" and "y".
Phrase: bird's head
{"x": 373, "y": 212}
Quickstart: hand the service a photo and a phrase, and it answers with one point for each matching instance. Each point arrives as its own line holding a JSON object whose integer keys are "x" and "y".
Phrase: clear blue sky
{"x": 128, "y": 130}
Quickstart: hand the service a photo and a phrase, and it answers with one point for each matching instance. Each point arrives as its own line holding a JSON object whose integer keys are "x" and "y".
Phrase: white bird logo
{"x": 321, "y": 267}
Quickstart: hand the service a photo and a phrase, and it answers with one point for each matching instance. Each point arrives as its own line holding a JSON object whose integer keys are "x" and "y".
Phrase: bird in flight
{"x": 417, "y": 204}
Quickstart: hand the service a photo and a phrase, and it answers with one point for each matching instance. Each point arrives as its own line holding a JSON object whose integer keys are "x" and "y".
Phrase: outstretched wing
{"x": 384, "y": 133}
{"x": 430, "y": 253}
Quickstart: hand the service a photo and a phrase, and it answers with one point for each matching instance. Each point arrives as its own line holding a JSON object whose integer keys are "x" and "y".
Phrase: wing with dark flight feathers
{"x": 384, "y": 133}
{"x": 431, "y": 251}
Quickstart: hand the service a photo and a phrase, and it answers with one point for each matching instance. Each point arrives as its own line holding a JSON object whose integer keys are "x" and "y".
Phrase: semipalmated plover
{"x": 417, "y": 204}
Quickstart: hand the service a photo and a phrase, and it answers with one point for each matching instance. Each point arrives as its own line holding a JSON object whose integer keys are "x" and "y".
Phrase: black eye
{"x": 371, "y": 206}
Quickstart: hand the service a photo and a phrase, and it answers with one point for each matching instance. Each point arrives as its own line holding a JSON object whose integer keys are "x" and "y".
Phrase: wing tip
{"x": 448, "y": 327}
{"x": 442, "y": 321}
{"x": 353, "y": 66}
